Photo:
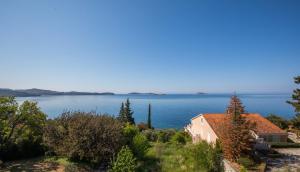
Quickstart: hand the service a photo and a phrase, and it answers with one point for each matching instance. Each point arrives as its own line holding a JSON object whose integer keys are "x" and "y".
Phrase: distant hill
{"x": 40, "y": 92}
{"x": 136, "y": 93}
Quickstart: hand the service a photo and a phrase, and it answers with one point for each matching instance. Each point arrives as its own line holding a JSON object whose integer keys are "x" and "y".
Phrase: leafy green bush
{"x": 140, "y": 145}
{"x": 125, "y": 161}
{"x": 243, "y": 169}
{"x": 84, "y": 136}
{"x": 246, "y": 162}
{"x": 130, "y": 131}
{"x": 178, "y": 137}
{"x": 207, "y": 156}
{"x": 165, "y": 135}
{"x": 285, "y": 145}
{"x": 151, "y": 135}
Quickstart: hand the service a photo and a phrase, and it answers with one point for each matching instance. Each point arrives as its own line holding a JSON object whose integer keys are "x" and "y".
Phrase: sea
{"x": 168, "y": 111}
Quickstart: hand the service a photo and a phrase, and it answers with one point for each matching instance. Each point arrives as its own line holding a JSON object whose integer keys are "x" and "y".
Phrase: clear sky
{"x": 177, "y": 46}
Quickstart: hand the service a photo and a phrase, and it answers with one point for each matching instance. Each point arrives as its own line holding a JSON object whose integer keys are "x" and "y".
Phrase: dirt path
{"x": 32, "y": 165}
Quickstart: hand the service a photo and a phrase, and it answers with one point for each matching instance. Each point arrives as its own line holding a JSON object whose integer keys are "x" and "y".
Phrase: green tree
{"x": 296, "y": 104}
{"x": 121, "y": 116}
{"x": 279, "y": 121}
{"x": 125, "y": 161}
{"x": 128, "y": 113}
{"x": 20, "y": 126}
{"x": 149, "y": 117}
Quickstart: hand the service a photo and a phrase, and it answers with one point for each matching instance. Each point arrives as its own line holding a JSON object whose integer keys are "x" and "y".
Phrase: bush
{"x": 130, "y": 131}
{"x": 151, "y": 135}
{"x": 285, "y": 145}
{"x": 142, "y": 126}
{"x": 178, "y": 138}
{"x": 84, "y": 136}
{"x": 246, "y": 162}
{"x": 243, "y": 169}
{"x": 165, "y": 135}
{"x": 140, "y": 145}
{"x": 207, "y": 156}
{"x": 125, "y": 161}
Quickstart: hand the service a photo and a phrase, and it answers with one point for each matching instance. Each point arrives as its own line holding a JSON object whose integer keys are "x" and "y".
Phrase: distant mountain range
{"x": 137, "y": 93}
{"x": 40, "y": 92}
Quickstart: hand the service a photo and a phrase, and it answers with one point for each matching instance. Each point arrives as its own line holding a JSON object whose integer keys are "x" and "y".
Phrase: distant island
{"x": 200, "y": 93}
{"x": 40, "y": 92}
{"x": 137, "y": 93}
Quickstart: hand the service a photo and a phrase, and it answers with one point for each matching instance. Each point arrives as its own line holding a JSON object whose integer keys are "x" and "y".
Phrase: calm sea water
{"x": 168, "y": 111}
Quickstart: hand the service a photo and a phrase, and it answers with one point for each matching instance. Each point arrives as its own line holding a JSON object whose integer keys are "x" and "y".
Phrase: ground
{"x": 42, "y": 164}
{"x": 288, "y": 161}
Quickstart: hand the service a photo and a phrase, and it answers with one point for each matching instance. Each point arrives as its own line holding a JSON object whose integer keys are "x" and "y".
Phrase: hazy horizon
{"x": 150, "y": 46}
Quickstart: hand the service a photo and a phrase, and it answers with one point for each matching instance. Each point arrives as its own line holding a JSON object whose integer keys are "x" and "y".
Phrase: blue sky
{"x": 171, "y": 46}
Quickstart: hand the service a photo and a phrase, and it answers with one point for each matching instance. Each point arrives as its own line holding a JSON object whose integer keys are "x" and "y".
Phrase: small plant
{"x": 178, "y": 138}
{"x": 243, "y": 169}
{"x": 245, "y": 162}
{"x": 140, "y": 145}
{"x": 125, "y": 161}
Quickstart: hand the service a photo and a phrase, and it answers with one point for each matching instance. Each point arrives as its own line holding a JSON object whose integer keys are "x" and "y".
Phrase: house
{"x": 207, "y": 127}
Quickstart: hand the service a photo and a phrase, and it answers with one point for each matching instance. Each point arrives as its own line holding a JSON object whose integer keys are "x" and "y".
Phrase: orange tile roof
{"x": 263, "y": 126}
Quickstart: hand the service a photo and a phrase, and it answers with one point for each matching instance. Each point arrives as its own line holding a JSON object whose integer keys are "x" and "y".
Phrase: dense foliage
{"x": 140, "y": 145}
{"x": 296, "y": 104}
{"x": 84, "y": 136}
{"x": 279, "y": 121}
{"x": 235, "y": 132}
{"x": 20, "y": 129}
{"x": 125, "y": 161}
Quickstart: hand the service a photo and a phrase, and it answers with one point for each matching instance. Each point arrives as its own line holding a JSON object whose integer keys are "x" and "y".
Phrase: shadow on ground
{"x": 32, "y": 165}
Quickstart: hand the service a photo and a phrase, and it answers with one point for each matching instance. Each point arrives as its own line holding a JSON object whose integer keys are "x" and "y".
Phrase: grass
{"x": 169, "y": 157}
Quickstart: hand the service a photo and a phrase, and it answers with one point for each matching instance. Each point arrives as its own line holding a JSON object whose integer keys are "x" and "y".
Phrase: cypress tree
{"x": 296, "y": 104}
{"x": 149, "y": 117}
{"x": 128, "y": 112}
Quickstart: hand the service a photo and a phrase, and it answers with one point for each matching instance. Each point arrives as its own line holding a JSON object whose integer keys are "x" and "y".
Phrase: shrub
{"x": 140, "y": 145}
{"x": 246, "y": 162}
{"x": 125, "y": 161}
{"x": 142, "y": 126}
{"x": 84, "y": 136}
{"x": 243, "y": 169}
{"x": 165, "y": 135}
{"x": 285, "y": 145}
{"x": 151, "y": 135}
{"x": 130, "y": 130}
{"x": 178, "y": 137}
{"x": 207, "y": 156}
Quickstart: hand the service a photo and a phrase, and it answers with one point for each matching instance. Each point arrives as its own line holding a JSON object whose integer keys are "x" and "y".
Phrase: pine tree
{"x": 235, "y": 106}
{"x": 149, "y": 117}
{"x": 296, "y": 104}
{"x": 121, "y": 116}
{"x": 128, "y": 113}
{"x": 235, "y": 132}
